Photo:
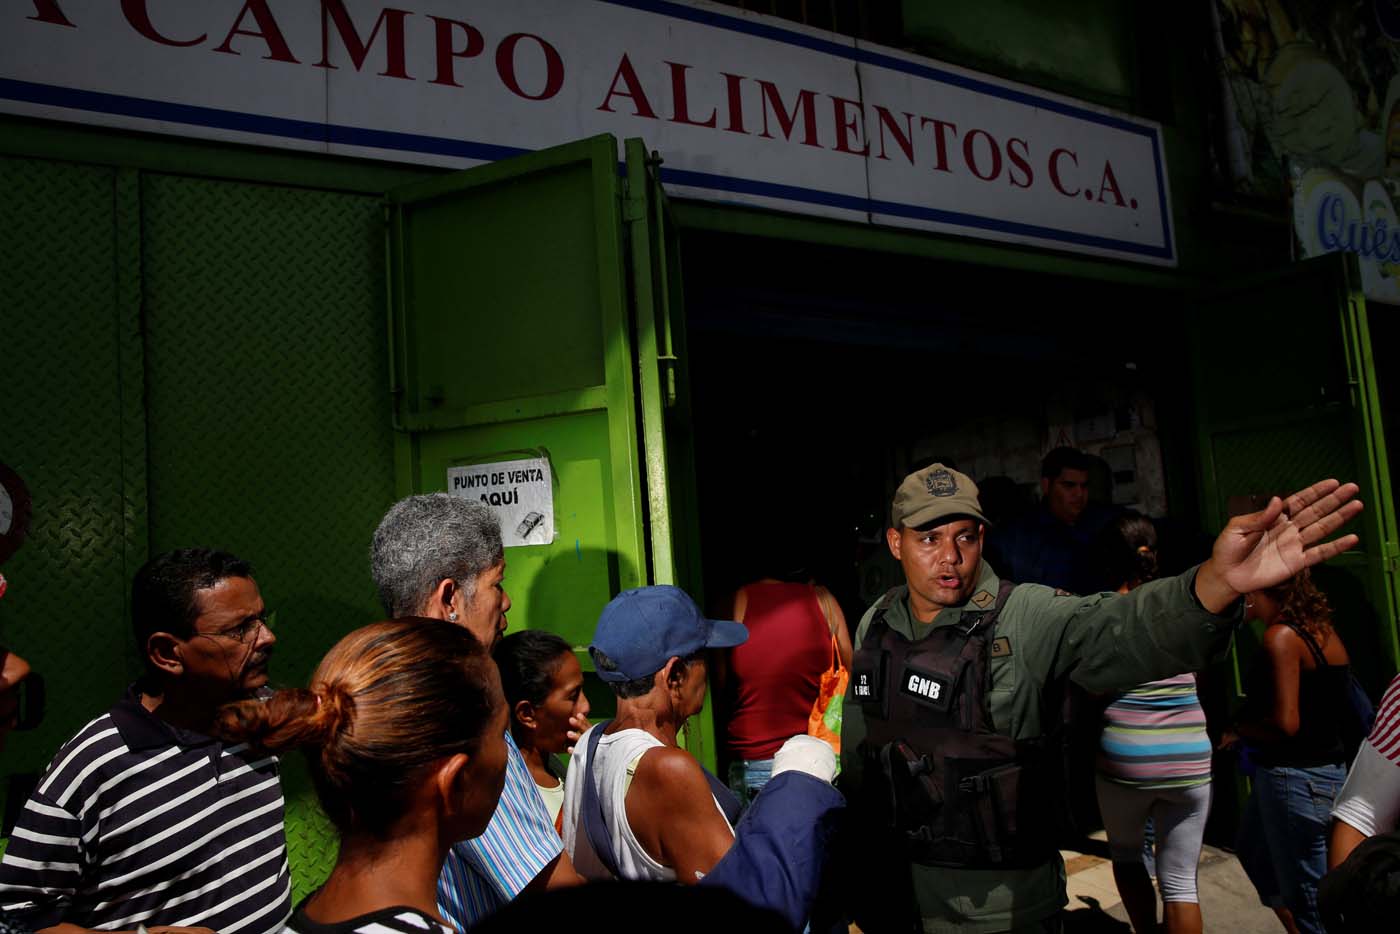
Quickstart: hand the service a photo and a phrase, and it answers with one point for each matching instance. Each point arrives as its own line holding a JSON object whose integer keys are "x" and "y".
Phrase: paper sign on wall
{"x": 521, "y": 492}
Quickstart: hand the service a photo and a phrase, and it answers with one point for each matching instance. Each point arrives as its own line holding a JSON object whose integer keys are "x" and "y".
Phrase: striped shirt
{"x": 138, "y": 822}
{"x": 486, "y": 872}
{"x": 1370, "y": 799}
{"x": 1385, "y": 733}
{"x": 1154, "y": 736}
{"x": 399, "y": 920}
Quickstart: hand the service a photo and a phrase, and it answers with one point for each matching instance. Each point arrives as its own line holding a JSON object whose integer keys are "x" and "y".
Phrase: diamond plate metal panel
{"x": 268, "y": 419}
{"x": 312, "y": 841}
{"x": 132, "y": 388}
{"x": 61, "y": 428}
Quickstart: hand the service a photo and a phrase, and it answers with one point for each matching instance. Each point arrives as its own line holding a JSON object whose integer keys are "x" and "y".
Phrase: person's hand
{"x": 803, "y": 753}
{"x": 1228, "y": 740}
{"x": 579, "y": 723}
{"x": 1266, "y": 548}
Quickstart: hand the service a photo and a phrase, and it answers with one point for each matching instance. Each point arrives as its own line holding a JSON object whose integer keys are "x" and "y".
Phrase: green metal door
{"x": 528, "y": 319}
{"x": 1286, "y": 394}
{"x": 668, "y": 445}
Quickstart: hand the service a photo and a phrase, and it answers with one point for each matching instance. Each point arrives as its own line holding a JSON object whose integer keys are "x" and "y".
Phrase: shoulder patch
{"x": 982, "y": 599}
{"x": 1001, "y": 647}
{"x": 1062, "y": 593}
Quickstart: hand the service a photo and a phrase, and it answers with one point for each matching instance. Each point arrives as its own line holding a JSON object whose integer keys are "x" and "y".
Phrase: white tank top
{"x": 617, "y": 752}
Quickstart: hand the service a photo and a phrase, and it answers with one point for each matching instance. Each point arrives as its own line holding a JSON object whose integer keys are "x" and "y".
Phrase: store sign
{"x": 743, "y": 108}
{"x": 520, "y": 491}
{"x": 1334, "y": 212}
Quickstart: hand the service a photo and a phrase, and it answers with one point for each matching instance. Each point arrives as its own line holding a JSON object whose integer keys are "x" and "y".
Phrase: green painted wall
{"x": 65, "y": 337}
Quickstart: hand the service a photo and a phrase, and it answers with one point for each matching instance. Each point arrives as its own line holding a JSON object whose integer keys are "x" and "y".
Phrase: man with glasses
{"x": 144, "y": 819}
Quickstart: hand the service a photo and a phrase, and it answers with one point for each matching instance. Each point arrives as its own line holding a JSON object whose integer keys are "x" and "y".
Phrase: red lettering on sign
{"x": 1019, "y": 160}
{"x": 447, "y": 51}
{"x": 679, "y": 104}
{"x": 846, "y": 124}
{"x": 1055, "y": 170}
{"x": 806, "y": 106}
{"x": 1110, "y": 184}
{"x": 47, "y": 11}
{"x": 140, "y": 19}
{"x": 736, "y": 102}
{"x": 625, "y": 73}
{"x": 903, "y": 138}
{"x": 553, "y": 65}
{"x": 268, "y": 32}
{"x": 940, "y": 141}
{"x": 390, "y": 19}
{"x": 970, "y": 154}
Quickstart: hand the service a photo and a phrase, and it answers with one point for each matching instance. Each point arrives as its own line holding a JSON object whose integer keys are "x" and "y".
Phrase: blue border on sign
{"x": 218, "y": 118}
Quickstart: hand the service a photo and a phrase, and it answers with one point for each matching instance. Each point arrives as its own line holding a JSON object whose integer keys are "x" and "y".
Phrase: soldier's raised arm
{"x": 1112, "y": 642}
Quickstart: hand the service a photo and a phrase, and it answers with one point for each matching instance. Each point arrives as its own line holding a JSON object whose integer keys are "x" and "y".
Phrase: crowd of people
{"x": 434, "y": 741}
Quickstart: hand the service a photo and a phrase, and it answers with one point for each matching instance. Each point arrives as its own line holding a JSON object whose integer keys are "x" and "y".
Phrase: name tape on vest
{"x": 868, "y": 676}
{"x": 927, "y": 688}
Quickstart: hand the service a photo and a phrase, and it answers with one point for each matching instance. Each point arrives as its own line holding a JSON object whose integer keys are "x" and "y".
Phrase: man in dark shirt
{"x": 1053, "y": 544}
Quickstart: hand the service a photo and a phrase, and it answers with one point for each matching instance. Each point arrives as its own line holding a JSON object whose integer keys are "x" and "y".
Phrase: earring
{"x": 452, "y": 616}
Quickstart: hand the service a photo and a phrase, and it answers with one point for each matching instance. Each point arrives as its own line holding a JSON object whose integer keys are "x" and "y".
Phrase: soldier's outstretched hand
{"x": 1268, "y": 547}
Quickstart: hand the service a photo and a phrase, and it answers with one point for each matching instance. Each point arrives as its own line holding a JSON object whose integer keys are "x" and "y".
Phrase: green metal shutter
{"x": 68, "y": 338}
{"x": 268, "y": 420}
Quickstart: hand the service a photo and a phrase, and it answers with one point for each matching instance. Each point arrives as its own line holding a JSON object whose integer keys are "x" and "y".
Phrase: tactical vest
{"x": 937, "y": 773}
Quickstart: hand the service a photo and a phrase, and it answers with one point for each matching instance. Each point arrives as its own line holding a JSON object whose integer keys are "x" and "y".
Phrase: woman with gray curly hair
{"x": 441, "y": 556}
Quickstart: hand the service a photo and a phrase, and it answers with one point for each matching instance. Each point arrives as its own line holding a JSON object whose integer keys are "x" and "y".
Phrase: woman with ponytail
{"x": 403, "y": 729}
{"x": 1153, "y": 763}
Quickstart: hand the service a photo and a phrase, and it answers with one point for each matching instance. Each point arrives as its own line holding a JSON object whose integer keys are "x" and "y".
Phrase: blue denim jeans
{"x": 1283, "y": 837}
{"x": 747, "y": 778}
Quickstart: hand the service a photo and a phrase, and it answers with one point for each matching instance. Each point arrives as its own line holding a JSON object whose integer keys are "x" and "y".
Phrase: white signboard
{"x": 521, "y": 492}
{"x": 743, "y": 108}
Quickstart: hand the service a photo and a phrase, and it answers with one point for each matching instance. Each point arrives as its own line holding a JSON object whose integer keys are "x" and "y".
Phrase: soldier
{"x": 957, "y": 682}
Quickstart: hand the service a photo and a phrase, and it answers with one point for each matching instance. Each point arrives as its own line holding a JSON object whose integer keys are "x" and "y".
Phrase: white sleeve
{"x": 1370, "y": 799}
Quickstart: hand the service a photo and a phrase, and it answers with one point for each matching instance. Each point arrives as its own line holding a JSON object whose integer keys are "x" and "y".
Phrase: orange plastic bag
{"x": 824, "y": 722}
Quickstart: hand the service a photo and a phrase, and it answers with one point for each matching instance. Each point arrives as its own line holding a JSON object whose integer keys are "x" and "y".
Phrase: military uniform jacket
{"x": 1104, "y": 643}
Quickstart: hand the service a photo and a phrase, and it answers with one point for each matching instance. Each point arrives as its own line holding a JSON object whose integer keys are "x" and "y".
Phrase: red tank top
{"x": 774, "y": 676}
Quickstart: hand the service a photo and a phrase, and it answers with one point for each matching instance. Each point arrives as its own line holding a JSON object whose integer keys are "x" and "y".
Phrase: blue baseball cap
{"x": 641, "y": 629}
